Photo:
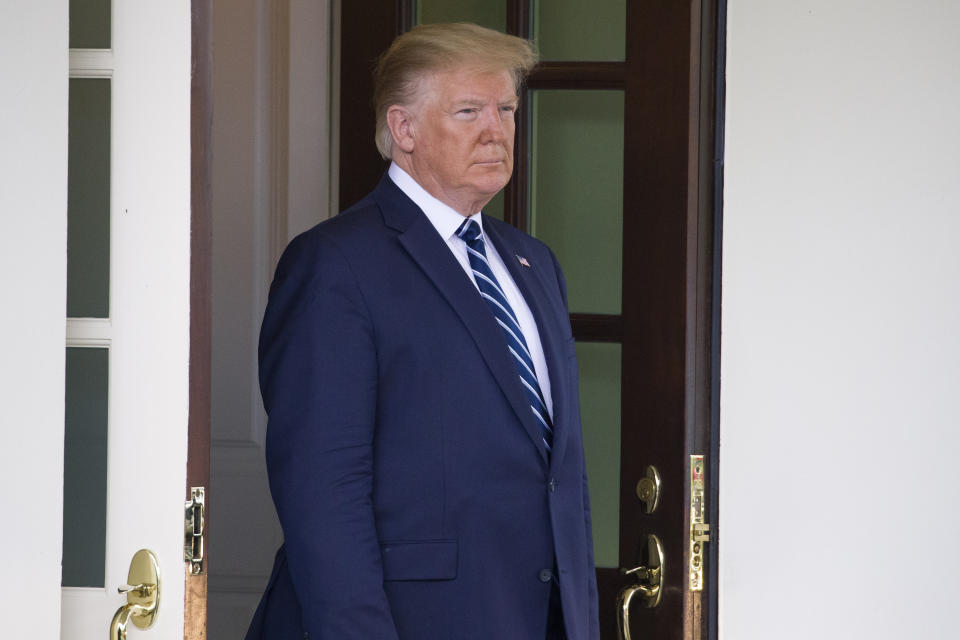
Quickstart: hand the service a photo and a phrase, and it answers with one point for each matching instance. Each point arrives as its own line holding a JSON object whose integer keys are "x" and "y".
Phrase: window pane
{"x": 486, "y": 13}
{"x": 600, "y": 410}
{"x": 577, "y": 191}
{"x": 88, "y": 199}
{"x": 85, "y": 468}
{"x": 89, "y": 24}
{"x": 578, "y": 30}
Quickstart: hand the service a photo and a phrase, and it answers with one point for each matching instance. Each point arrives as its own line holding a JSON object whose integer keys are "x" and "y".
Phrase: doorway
{"x": 641, "y": 115}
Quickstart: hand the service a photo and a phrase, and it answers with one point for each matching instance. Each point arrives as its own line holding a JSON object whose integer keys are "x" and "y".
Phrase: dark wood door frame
{"x": 672, "y": 79}
{"x": 201, "y": 227}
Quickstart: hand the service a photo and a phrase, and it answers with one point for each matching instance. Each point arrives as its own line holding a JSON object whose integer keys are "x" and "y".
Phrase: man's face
{"x": 463, "y": 137}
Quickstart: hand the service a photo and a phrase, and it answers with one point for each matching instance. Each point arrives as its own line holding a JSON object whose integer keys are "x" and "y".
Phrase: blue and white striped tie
{"x": 490, "y": 290}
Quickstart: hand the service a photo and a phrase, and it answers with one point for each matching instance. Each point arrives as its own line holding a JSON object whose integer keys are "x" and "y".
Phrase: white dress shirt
{"x": 446, "y": 221}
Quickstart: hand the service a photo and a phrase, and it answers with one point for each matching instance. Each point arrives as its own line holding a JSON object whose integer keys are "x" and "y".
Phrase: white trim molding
{"x": 89, "y": 332}
{"x": 91, "y": 63}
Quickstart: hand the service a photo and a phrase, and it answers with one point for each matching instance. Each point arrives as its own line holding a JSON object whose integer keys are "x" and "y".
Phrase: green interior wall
{"x": 90, "y": 24}
{"x": 487, "y": 13}
{"x": 600, "y": 412}
{"x": 88, "y": 199}
{"x": 577, "y": 191}
{"x": 578, "y": 30}
{"x": 85, "y": 468}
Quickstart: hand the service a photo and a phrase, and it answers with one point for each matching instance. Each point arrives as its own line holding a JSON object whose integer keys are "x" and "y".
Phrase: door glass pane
{"x": 578, "y": 30}
{"x": 577, "y": 191}
{"x": 88, "y": 199}
{"x": 89, "y": 24}
{"x": 600, "y": 411}
{"x": 85, "y": 468}
{"x": 486, "y": 13}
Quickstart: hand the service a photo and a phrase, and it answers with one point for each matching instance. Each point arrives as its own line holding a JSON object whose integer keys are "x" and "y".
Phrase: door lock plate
{"x": 193, "y": 530}
{"x": 699, "y": 529}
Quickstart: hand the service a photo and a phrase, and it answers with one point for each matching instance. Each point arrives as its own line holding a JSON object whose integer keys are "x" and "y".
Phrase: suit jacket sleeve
{"x": 592, "y": 593}
{"x": 318, "y": 377}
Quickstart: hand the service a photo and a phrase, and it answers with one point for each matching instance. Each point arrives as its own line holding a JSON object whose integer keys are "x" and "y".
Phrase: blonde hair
{"x": 430, "y": 48}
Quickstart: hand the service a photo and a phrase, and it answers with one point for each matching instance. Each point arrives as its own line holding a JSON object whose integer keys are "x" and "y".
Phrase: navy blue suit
{"x": 415, "y": 495}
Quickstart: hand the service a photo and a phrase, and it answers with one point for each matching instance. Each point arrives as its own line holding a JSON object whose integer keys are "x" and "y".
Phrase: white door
{"x": 128, "y": 309}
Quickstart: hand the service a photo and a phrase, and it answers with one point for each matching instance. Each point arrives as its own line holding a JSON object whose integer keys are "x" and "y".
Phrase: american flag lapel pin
{"x": 523, "y": 261}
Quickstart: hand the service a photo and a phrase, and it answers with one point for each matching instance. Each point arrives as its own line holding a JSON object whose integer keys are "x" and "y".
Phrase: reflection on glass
{"x": 487, "y": 13}
{"x": 600, "y": 411}
{"x": 89, "y": 24}
{"x": 85, "y": 468}
{"x": 578, "y": 30}
{"x": 577, "y": 191}
{"x": 88, "y": 199}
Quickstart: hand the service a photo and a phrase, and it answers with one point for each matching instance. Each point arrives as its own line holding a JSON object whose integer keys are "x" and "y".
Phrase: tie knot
{"x": 469, "y": 231}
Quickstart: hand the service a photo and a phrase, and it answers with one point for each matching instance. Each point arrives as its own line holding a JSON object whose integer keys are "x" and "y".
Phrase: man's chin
{"x": 489, "y": 190}
{"x": 492, "y": 178}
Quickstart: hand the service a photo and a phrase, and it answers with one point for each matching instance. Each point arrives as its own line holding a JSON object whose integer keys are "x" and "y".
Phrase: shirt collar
{"x": 444, "y": 218}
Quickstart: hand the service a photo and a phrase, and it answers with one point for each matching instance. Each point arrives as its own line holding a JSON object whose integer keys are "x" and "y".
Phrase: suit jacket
{"x": 416, "y": 498}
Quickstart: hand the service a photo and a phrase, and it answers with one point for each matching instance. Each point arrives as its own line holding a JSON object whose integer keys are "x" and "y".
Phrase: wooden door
{"x": 614, "y": 170}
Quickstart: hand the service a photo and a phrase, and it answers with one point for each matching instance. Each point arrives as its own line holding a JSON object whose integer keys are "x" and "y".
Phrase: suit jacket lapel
{"x": 551, "y": 319}
{"x": 430, "y": 252}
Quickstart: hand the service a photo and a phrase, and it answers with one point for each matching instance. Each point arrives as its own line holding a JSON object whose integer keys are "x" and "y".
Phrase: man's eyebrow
{"x": 479, "y": 102}
{"x": 469, "y": 102}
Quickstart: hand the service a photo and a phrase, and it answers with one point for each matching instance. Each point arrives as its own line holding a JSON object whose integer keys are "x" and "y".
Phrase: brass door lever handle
{"x": 648, "y": 585}
{"x": 143, "y": 595}
{"x": 118, "y": 626}
{"x": 145, "y": 590}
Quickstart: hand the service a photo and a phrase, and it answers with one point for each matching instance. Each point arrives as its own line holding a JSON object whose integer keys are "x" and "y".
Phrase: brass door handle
{"x": 143, "y": 595}
{"x": 649, "y": 578}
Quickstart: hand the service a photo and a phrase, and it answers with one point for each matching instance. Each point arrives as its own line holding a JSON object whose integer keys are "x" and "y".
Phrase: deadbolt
{"x": 648, "y": 489}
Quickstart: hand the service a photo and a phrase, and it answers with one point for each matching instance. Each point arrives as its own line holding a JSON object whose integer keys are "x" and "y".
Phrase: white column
{"x": 34, "y": 68}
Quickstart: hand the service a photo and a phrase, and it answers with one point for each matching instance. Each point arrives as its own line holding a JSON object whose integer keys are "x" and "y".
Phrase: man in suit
{"x": 419, "y": 373}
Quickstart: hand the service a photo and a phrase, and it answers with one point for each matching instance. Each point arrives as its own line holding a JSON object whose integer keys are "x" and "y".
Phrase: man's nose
{"x": 494, "y": 127}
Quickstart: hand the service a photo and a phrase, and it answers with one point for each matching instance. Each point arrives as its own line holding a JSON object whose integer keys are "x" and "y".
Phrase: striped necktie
{"x": 491, "y": 292}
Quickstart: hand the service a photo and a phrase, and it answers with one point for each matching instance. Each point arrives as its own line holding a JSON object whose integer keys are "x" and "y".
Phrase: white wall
{"x": 33, "y": 263}
{"x": 840, "y": 351}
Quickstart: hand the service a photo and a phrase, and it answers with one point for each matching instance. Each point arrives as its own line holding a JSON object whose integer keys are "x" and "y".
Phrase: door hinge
{"x": 193, "y": 530}
{"x": 699, "y": 529}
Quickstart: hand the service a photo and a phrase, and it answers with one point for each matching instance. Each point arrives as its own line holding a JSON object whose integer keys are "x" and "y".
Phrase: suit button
{"x": 545, "y": 575}
{"x": 552, "y": 485}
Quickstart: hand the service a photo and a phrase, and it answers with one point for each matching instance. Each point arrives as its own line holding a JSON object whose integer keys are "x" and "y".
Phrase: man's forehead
{"x": 471, "y": 84}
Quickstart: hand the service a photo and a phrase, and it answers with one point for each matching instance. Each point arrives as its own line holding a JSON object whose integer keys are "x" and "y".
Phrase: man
{"x": 418, "y": 369}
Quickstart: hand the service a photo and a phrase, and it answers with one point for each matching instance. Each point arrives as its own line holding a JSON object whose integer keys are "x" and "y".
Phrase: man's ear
{"x": 400, "y": 121}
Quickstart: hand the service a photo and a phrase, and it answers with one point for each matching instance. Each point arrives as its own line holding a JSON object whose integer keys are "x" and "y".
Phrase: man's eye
{"x": 467, "y": 112}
